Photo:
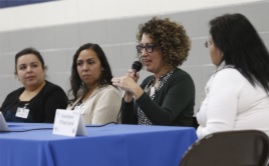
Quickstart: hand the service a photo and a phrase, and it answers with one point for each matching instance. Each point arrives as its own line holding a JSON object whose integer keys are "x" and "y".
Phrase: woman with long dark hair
{"x": 94, "y": 96}
{"x": 237, "y": 93}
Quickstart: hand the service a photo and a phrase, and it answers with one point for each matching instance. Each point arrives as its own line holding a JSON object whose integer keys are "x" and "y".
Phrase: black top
{"x": 42, "y": 107}
{"x": 172, "y": 105}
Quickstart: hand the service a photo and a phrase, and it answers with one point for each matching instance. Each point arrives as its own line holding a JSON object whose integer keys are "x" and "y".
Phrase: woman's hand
{"x": 134, "y": 75}
{"x": 128, "y": 83}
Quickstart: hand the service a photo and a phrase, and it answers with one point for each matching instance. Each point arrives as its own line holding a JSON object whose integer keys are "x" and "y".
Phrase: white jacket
{"x": 232, "y": 103}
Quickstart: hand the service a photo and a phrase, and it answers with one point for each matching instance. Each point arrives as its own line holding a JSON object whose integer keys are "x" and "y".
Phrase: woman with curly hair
{"x": 166, "y": 97}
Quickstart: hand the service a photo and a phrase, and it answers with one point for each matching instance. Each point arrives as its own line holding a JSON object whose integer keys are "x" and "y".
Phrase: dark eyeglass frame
{"x": 148, "y": 47}
{"x": 208, "y": 43}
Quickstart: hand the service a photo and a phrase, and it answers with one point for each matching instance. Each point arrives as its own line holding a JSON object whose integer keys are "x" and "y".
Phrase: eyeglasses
{"x": 208, "y": 43}
{"x": 148, "y": 47}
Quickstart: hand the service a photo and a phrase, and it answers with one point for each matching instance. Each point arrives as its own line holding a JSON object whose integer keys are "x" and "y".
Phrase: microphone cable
{"x": 50, "y": 128}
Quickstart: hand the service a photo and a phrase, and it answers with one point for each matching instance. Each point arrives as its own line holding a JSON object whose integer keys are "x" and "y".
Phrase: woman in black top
{"x": 167, "y": 97}
{"x": 38, "y": 99}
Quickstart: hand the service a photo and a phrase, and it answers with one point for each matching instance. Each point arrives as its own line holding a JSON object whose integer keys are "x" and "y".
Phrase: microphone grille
{"x": 137, "y": 66}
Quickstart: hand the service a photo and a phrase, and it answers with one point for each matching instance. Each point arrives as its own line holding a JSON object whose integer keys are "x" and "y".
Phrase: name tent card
{"x": 3, "y": 124}
{"x": 69, "y": 123}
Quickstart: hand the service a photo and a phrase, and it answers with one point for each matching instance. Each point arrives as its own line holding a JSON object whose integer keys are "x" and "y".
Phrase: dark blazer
{"x": 173, "y": 105}
{"x": 42, "y": 107}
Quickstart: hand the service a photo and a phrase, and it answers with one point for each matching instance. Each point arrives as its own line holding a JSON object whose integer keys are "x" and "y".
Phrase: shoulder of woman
{"x": 51, "y": 88}
{"x": 50, "y": 85}
{"x": 15, "y": 93}
{"x": 109, "y": 91}
{"x": 181, "y": 75}
{"x": 179, "y": 71}
{"x": 228, "y": 77}
{"x": 228, "y": 72}
{"x": 108, "y": 88}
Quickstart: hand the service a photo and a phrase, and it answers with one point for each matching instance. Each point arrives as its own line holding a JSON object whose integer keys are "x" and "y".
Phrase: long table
{"x": 110, "y": 145}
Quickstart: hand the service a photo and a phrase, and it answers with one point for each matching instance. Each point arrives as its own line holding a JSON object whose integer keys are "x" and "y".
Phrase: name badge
{"x": 22, "y": 112}
{"x": 68, "y": 123}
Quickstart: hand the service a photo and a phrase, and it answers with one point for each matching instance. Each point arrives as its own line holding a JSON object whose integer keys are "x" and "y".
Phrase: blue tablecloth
{"x": 111, "y": 145}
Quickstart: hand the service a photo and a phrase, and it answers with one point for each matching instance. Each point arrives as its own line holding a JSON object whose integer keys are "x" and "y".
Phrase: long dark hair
{"x": 242, "y": 47}
{"x": 76, "y": 82}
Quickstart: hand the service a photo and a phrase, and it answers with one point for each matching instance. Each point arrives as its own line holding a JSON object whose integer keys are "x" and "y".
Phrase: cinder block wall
{"x": 117, "y": 37}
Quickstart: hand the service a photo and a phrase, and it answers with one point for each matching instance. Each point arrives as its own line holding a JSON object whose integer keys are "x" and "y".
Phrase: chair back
{"x": 229, "y": 148}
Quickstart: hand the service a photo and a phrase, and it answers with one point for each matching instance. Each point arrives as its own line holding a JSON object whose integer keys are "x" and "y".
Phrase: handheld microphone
{"x": 136, "y": 66}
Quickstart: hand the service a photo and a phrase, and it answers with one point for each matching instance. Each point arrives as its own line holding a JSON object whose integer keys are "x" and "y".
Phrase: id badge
{"x": 22, "y": 112}
{"x": 80, "y": 109}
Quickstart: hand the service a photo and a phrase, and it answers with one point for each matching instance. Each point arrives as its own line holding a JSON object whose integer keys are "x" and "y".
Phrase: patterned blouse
{"x": 152, "y": 90}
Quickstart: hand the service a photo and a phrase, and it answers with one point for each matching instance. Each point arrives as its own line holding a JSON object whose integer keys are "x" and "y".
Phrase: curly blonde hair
{"x": 170, "y": 36}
